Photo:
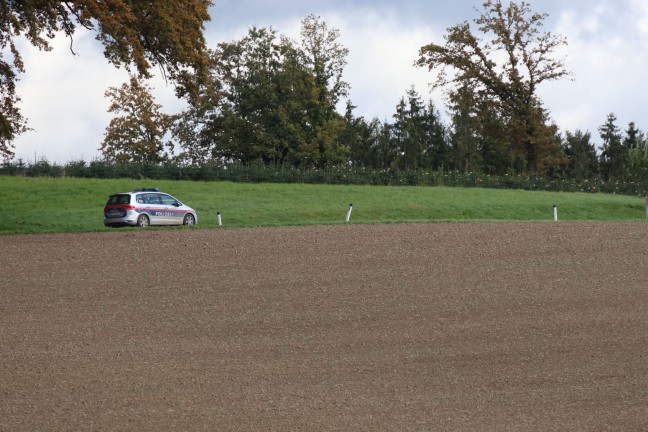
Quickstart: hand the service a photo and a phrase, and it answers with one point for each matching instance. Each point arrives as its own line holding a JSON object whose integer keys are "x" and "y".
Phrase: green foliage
{"x": 259, "y": 172}
{"x": 137, "y": 131}
{"x": 637, "y": 153}
{"x": 137, "y": 33}
{"x": 46, "y": 204}
{"x": 581, "y": 155}
{"x": 614, "y": 155}
{"x": 267, "y": 113}
{"x": 270, "y": 99}
{"x": 497, "y": 78}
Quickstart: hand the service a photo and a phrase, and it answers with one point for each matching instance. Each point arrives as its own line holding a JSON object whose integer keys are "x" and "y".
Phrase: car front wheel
{"x": 143, "y": 221}
{"x": 189, "y": 219}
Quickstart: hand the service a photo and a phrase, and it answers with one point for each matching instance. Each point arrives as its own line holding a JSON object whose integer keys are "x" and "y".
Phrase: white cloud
{"x": 380, "y": 65}
{"x": 381, "y": 62}
{"x": 63, "y": 99}
{"x": 608, "y": 73}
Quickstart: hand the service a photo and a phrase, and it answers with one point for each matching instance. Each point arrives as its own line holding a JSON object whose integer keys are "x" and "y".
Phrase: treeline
{"x": 269, "y": 100}
{"x": 344, "y": 174}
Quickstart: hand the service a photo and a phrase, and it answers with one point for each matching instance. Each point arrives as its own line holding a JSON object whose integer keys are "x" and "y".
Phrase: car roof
{"x": 137, "y": 191}
{"x": 147, "y": 190}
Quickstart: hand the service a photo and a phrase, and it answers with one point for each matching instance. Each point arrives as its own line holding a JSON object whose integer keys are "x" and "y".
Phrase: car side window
{"x": 151, "y": 198}
{"x": 140, "y": 199}
{"x": 167, "y": 200}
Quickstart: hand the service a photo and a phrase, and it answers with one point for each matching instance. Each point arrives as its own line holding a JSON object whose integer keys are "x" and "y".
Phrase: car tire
{"x": 189, "y": 219}
{"x": 143, "y": 221}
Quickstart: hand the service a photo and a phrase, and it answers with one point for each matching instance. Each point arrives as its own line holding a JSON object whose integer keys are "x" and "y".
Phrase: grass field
{"x": 39, "y": 205}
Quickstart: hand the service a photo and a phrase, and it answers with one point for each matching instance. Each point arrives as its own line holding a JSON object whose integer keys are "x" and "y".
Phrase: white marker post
{"x": 220, "y": 222}
{"x": 555, "y": 209}
{"x": 348, "y": 216}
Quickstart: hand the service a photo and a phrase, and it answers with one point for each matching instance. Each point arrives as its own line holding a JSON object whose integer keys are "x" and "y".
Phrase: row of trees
{"x": 275, "y": 100}
{"x": 269, "y": 99}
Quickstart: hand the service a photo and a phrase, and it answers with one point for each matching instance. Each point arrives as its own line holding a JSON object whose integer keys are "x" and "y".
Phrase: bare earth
{"x": 466, "y": 326}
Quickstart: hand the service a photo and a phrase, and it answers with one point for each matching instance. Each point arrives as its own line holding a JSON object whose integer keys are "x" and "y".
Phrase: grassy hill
{"x": 35, "y": 205}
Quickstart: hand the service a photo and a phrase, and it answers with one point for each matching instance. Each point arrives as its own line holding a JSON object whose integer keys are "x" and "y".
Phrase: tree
{"x": 357, "y": 137}
{"x": 368, "y": 143}
{"x": 325, "y": 57}
{"x": 504, "y": 71}
{"x": 581, "y": 154}
{"x": 134, "y": 33}
{"x": 270, "y": 99}
{"x": 637, "y": 144}
{"x": 251, "y": 106}
{"x": 614, "y": 154}
{"x": 136, "y": 134}
{"x": 408, "y": 130}
{"x": 436, "y": 145}
{"x": 465, "y": 134}
{"x": 633, "y": 137}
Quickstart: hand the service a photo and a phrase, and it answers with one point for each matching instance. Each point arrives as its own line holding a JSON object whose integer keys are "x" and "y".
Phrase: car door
{"x": 154, "y": 209}
{"x": 171, "y": 206}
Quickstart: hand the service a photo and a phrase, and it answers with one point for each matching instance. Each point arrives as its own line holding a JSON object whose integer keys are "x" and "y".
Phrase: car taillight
{"x": 119, "y": 206}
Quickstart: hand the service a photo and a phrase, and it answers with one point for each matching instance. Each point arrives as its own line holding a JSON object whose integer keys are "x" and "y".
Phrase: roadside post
{"x": 348, "y": 215}
{"x": 555, "y": 212}
{"x": 220, "y": 222}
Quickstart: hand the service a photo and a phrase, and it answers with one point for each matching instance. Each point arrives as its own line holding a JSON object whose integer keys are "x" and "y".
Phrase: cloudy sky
{"x": 607, "y": 52}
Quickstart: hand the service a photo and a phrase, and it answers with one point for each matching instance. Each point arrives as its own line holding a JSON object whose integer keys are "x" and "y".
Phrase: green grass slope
{"x": 35, "y": 205}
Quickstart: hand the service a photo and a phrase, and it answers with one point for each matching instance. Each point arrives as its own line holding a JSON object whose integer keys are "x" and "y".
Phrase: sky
{"x": 607, "y": 53}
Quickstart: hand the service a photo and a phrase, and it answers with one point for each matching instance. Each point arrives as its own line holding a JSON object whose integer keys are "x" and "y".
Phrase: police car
{"x": 144, "y": 207}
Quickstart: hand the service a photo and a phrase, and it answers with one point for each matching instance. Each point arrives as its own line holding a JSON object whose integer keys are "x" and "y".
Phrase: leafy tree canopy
{"x": 502, "y": 71}
{"x": 136, "y": 132}
{"x": 269, "y": 98}
{"x": 135, "y": 33}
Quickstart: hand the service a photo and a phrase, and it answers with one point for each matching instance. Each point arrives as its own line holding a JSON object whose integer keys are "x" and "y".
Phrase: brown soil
{"x": 487, "y": 326}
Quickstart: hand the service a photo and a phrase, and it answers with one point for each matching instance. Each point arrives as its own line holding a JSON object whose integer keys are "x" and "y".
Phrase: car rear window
{"x": 118, "y": 199}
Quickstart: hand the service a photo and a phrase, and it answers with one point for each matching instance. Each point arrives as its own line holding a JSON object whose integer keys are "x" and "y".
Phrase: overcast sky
{"x": 63, "y": 95}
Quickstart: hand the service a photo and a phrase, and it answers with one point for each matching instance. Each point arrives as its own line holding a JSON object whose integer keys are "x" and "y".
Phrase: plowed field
{"x": 446, "y": 326}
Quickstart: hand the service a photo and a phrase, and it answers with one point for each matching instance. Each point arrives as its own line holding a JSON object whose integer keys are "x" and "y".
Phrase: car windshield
{"x": 118, "y": 199}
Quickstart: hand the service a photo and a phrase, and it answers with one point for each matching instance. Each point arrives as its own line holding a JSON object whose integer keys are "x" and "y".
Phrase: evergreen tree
{"x": 408, "y": 133}
{"x": 637, "y": 144}
{"x": 633, "y": 137}
{"x": 465, "y": 139}
{"x": 436, "y": 146}
{"x": 357, "y": 138}
{"x": 581, "y": 155}
{"x": 614, "y": 155}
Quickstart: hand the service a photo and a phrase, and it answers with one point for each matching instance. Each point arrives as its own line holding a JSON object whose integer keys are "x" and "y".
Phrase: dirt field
{"x": 488, "y": 326}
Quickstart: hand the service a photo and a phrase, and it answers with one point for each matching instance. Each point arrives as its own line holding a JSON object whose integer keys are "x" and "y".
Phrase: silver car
{"x": 144, "y": 207}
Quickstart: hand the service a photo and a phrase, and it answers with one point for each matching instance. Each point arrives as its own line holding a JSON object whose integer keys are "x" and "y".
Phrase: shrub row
{"x": 260, "y": 173}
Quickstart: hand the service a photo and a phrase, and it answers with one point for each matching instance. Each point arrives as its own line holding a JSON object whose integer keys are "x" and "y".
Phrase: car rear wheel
{"x": 189, "y": 219}
{"x": 143, "y": 221}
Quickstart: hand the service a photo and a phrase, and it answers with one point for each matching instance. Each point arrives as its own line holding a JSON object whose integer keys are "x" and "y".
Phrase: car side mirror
{"x": 177, "y": 203}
